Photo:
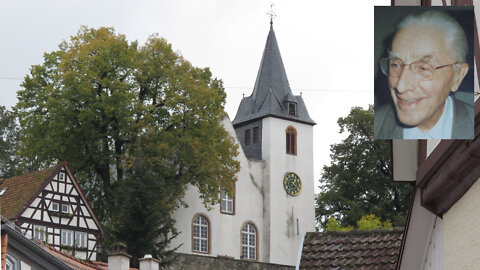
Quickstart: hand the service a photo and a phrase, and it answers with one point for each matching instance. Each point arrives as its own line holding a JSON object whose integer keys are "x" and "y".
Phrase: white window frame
{"x": 57, "y": 206}
{"x": 12, "y": 263}
{"x": 40, "y": 232}
{"x": 249, "y": 242}
{"x": 200, "y": 234}
{"x": 68, "y": 208}
{"x": 67, "y": 238}
{"x": 61, "y": 176}
{"x": 80, "y": 239}
{"x": 226, "y": 203}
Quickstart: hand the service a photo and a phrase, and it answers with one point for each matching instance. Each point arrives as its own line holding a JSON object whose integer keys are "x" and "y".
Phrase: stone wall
{"x": 197, "y": 262}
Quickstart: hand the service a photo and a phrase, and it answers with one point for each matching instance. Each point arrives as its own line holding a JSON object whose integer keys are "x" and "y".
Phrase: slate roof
{"x": 21, "y": 190}
{"x": 271, "y": 90}
{"x": 365, "y": 250}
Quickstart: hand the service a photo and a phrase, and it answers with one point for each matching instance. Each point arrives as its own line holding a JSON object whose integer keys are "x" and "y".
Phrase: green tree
{"x": 143, "y": 216}
{"x": 334, "y": 225}
{"x": 371, "y": 222}
{"x": 98, "y": 99}
{"x": 366, "y": 223}
{"x": 9, "y": 142}
{"x": 358, "y": 181}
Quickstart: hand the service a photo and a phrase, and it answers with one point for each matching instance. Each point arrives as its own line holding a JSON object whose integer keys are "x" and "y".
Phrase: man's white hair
{"x": 455, "y": 37}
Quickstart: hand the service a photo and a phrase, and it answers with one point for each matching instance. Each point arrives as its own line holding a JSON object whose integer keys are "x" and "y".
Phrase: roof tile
{"x": 21, "y": 190}
{"x": 377, "y": 249}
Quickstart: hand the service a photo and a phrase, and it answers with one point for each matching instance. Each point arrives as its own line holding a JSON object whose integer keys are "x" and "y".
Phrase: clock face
{"x": 292, "y": 184}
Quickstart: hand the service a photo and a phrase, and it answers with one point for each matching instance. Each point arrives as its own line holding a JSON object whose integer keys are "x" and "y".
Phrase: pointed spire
{"x": 271, "y": 93}
{"x": 271, "y": 73}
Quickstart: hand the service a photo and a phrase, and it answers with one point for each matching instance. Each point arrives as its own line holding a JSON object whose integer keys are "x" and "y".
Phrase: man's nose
{"x": 405, "y": 81}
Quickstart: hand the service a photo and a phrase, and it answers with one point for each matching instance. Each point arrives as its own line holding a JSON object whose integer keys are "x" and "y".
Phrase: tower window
{"x": 292, "y": 109}
{"x": 247, "y": 137}
{"x": 249, "y": 242}
{"x": 200, "y": 234}
{"x": 291, "y": 140}
{"x": 256, "y": 134}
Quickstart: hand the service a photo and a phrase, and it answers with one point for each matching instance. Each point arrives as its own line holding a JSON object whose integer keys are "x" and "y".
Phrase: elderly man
{"x": 425, "y": 65}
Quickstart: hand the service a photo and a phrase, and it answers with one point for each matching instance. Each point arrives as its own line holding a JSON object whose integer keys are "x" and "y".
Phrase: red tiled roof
{"x": 73, "y": 262}
{"x": 377, "y": 249}
{"x": 21, "y": 190}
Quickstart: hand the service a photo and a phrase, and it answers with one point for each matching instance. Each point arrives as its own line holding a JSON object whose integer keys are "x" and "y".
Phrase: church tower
{"x": 274, "y": 126}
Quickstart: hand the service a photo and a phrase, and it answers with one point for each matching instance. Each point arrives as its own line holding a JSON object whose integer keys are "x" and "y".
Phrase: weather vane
{"x": 271, "y": 13}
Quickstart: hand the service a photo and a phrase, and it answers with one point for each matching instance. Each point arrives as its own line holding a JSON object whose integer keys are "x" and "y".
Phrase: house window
{"x": 40, "y": 233}
{"x": 61, "y": 176}
{"x": 227, "y": 203}
{"x": 65, "y": 208}
{"x": 200, "y": 234}
{"x": 256, "y": 134}
{"x": 67, "y": 238}
{"x": 249, "y": 242}
{"x": 55, "y": 206}
{"x": 12, "y": 263}
{"x": 292, "y": 109}
{"x": 80, "y": 239}
{"x": 291, "y": 138}
{"x": 247, "y": 137}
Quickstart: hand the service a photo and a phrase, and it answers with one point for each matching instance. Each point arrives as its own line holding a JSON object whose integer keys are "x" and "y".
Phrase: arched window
{"x": 249, "y": 242}
{"x": 200, "y": 234}
{"x": 291, "y": 138}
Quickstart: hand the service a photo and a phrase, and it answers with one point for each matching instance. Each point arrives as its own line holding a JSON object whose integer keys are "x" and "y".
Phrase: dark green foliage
{"x": 9, "y": 142}
{"x": 143, "y": 219}
{"x": 358, "y": 181}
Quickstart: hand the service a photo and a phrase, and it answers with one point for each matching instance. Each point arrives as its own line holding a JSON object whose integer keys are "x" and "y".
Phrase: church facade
{"x": 273, "y": 202}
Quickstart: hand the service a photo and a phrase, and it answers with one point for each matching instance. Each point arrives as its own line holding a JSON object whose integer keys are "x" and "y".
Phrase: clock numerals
{"x": 292, "y": 184}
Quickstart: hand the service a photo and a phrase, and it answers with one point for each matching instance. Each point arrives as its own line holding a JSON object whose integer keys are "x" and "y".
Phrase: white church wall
{"x": 285, "y": 209}
{"x": 225, "y": 229}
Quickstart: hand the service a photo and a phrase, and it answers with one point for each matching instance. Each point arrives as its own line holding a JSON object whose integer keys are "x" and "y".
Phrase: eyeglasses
{"x": 423, "y": 70}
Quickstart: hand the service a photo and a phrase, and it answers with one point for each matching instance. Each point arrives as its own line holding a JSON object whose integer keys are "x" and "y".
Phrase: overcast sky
{"x": 326, "y": 47}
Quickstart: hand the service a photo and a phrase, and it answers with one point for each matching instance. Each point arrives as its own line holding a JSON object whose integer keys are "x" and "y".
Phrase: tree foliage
{"x": 366, "y": 223}
{"x": 9, "y": 141}
{"x": 99, "y": 100}
{"x": 143, "y": 216}
{"x": 358, "y": 181}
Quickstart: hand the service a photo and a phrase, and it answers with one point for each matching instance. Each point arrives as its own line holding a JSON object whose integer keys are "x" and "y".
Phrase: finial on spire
{"x": 271, "y": 13}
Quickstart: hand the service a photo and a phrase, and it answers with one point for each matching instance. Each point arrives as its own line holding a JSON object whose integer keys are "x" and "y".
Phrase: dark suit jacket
{"x": 387, "y": 126}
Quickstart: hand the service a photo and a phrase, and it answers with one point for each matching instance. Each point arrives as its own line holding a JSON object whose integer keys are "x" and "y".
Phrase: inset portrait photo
{"x": 424, "y": 73}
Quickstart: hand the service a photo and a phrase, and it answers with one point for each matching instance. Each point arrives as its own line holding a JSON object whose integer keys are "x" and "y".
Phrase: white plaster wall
{"x": 285, "y": 209}
{"x": 225, "y": 229}
{"x": 462, "y": 231}
{"x": 434, "y": 257}
{"x": 420, "y": 228}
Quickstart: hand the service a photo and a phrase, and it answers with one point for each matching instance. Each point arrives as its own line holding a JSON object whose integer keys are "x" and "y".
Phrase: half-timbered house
{"x": 49, "y": 205}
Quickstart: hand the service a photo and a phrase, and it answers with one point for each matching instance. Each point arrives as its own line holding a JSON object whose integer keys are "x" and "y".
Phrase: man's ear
{"x": 460, "y": 73}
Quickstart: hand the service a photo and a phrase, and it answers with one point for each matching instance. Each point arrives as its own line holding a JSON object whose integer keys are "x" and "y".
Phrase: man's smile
{"x": 408, "y": 101}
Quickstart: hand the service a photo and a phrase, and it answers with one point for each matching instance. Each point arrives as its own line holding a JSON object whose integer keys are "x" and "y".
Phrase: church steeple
{"x": 271, "y": 94}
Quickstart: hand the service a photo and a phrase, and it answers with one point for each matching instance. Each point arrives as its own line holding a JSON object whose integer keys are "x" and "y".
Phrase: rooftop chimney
{"x": 149, "y": 263}
{"x": 118, "y": 259}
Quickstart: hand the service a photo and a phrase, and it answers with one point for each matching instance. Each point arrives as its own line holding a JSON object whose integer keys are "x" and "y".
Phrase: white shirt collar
{"x": 441, "y": 130}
